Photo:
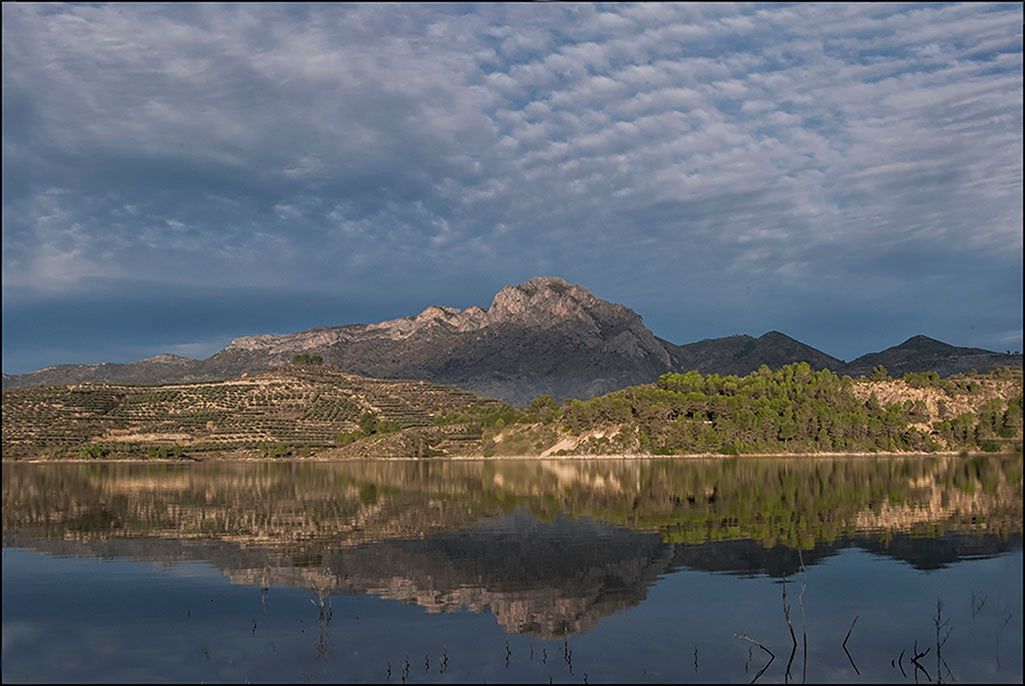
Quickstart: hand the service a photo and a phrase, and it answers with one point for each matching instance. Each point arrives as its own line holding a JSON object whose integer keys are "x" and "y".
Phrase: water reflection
{"x": 550, "y": 548}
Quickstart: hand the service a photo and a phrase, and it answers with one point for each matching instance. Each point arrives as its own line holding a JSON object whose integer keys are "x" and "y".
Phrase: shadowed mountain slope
{"x": 743, "y": 354}
{"x": 921, "y": 354}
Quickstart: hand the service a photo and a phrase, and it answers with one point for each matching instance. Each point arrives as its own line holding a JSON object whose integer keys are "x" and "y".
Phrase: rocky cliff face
{"x": 542, "y": 305}
{"x": 542, "y": 336}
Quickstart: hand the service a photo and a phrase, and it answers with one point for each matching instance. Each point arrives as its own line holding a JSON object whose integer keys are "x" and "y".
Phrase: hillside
{"x": 293, "y": 411}
{"x": 794, "y": 409}
{"x": 306, "y": 411}
{"x": 921, "y": 353}
{"x": 542, "y": 336}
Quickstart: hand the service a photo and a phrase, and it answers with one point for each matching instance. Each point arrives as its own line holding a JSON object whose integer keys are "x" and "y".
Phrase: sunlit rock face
{"x": 542, "y": 336}
{"x": 541, "y": 303}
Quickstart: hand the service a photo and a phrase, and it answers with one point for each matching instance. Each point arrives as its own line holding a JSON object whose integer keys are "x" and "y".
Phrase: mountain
{"x": 542, "y": 336}
{"x": 743, "y": 354}
{"x": 159, "y": 369}
{"x": 922, "y": 354}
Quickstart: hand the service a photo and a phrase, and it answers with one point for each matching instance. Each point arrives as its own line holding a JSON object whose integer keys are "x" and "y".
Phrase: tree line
{"x": 791, "y": 409}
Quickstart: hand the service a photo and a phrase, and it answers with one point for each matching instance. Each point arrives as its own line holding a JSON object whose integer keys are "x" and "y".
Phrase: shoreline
{"x": 493, "y": 458}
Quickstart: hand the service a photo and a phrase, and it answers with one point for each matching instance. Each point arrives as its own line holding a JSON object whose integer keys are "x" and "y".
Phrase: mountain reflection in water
{"x": 549, "y": 547}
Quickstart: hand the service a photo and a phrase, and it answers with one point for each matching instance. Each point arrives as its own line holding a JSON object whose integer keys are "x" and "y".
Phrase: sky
{"x": 177, "y": 175}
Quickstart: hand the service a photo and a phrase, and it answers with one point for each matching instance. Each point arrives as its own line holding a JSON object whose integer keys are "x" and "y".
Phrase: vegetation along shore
{"x": 314, "y": 412}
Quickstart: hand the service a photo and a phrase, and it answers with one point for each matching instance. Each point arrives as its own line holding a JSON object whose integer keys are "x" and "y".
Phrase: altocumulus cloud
{"x": 849, "y": 174}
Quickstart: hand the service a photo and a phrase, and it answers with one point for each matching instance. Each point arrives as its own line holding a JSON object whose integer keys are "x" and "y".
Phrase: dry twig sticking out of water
{"x": 978, "y": 602}
{"x": 941, "y": 624}
{"x": 844, "y": 645}
{"x": 900, "y": 663}
{"x": 790, "y": 625}
{"x": 772, "y": 656}
{"x": 1008, "y": 614}
{"x": 915, "y": 660}
{"x": 804, "y": 622}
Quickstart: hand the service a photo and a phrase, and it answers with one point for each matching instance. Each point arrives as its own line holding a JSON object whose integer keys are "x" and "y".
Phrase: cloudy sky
{"x": 175, "y": 176}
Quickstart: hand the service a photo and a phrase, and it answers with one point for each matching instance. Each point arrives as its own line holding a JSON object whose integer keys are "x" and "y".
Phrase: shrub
{"x": 276, "y": 450}
{"x": 347, "y": 437}
{"x": 93, "y": 450}
{"x": 369, "y": 425}
{"x": 165, "y": 451}
{"x": 921, "y": 379}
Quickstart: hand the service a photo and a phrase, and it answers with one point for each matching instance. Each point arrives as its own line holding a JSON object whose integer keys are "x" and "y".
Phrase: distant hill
{"x": 921, "y": 354}
{"x": 542, "y": 336}
{"x": 743, "y": 354}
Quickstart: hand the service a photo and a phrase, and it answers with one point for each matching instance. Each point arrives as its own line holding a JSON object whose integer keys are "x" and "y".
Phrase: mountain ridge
{"x": 545, "y": 335}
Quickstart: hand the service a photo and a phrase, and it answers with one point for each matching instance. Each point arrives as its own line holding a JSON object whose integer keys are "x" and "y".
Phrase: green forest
{"x": 792, "y": 409}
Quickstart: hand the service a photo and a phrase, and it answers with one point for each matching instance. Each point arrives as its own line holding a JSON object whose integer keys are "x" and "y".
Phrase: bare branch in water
{"x": 790, "y": 625}
{"x": 850, "y": 630}
{"x": 941, "y": 624}
{"x": 804, "y": 623}
{"x": 786, "y": 613}
{"x": 918, "y": 665}
{"x": 844, "y": 646}
{"x": 762, "y": 670}
{"x": 754, "y": 642}
{"x": 772, "y": 656}
{"x": 978, "y": 602}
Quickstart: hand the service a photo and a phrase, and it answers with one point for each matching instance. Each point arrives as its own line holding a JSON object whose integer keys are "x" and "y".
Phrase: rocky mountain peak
{"x": 168, "y": 358}
{"x": 437, "y": 314}
{"x": 546, "y": 301}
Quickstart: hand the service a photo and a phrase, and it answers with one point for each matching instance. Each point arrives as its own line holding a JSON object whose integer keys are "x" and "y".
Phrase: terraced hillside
{"x": 293, "y": 411}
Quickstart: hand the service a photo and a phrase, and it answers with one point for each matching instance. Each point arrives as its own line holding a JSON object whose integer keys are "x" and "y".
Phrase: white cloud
{"x": 805, "y": 133}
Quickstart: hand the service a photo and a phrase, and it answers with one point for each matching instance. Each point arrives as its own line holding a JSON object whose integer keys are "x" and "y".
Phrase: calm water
{"x": 514, "y": 571}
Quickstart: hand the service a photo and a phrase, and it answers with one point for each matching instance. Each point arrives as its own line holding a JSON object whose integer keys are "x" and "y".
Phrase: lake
{"x": 726, "y": 570}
